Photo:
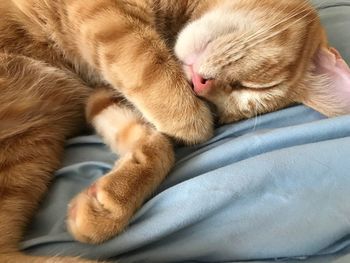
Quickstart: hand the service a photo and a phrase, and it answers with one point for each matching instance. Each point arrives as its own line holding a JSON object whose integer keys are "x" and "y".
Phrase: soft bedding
{"x": 276, "y": 187}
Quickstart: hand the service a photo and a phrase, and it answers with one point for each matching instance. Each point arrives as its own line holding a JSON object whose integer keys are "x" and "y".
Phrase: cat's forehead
{"x": 231, "y": 25}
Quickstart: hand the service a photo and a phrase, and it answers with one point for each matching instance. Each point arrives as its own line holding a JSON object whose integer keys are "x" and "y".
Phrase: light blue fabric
{"x": 275, "y": 187}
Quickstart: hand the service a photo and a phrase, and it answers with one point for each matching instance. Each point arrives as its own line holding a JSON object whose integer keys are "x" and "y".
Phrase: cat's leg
{"x": 39, "y": 107}
{"x": 105, "y": 208}
{"x": 119, "y": 40}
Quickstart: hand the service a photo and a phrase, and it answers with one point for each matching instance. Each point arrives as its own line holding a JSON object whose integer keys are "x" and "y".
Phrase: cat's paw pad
{"x": 95, "y": 216}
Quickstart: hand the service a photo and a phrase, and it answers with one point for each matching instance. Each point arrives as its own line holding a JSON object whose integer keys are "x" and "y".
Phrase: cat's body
{"x": 52, "y": 53}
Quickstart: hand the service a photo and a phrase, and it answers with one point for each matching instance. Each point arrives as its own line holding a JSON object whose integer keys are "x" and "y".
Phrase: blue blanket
{"x": 271, "y": 187}
{"x": 274, "y": 187}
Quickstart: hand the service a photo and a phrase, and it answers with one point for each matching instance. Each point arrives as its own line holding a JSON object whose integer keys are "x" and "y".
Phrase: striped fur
{"x": 259, "y": 56}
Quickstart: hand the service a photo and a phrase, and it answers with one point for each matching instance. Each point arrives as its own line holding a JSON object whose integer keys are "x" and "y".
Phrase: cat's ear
{"x": 327, "y": 87}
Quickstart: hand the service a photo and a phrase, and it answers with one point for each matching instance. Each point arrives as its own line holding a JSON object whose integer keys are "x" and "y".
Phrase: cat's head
{"x": 250, "y": 57}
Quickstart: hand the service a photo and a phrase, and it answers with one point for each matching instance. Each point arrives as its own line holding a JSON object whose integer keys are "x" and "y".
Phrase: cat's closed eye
{"x": 255, "y": 64}
{"x": 259, "y": 86}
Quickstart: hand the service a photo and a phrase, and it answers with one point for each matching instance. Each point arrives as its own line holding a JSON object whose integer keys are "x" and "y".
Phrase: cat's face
{"x": 250, "y": 57}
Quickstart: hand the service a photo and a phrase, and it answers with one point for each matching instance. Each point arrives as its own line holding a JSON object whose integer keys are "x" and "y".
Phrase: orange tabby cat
{"x": 246, "y": 57}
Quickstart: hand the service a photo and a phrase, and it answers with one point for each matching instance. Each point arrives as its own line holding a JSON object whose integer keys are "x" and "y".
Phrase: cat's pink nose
{"x": 200, "y": 84}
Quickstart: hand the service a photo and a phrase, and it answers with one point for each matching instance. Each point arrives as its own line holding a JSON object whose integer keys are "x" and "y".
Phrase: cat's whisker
{"x": 281, "y": 30}
{"x": 294, "y": 13}
{"x": 263, "y": 30}
{"x": 273, "y": 34}
{"x": 245, "y": 38}
{"x": 255, "y": 116}
{"x": 256, "y": 35}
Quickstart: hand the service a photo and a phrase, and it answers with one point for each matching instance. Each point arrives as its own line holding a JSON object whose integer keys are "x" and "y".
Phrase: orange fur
{"x": 105, "y": 208}
{"x": 258, "y": 55}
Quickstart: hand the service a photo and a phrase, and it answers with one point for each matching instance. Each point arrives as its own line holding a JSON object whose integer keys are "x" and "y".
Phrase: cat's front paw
{"x": 96, "y": 215}
{"x": 192, "y": 124}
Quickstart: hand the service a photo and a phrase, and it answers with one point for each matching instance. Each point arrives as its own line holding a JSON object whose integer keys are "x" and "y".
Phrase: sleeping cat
{"x": 246, "y": 57}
